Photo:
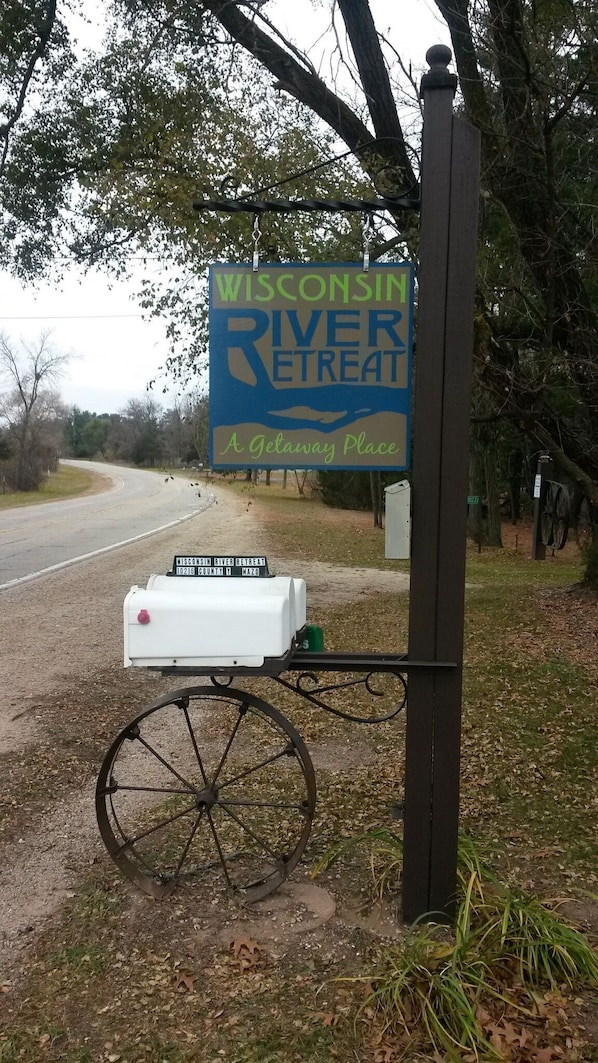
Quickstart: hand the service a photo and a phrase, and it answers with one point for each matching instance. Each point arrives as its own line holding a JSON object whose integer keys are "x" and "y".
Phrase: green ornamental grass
{"x": 505, "y": 943}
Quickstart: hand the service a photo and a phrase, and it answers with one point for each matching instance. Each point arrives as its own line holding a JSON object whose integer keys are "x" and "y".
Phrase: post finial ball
{"x": 438, "y": 76}
{"x": 439, "y": 55}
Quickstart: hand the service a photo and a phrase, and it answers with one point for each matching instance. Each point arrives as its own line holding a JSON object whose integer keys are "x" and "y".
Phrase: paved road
{"x": 34, "y": 539}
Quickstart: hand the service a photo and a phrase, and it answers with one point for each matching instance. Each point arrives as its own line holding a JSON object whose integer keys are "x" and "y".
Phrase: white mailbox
{"x": 209, "y": 615}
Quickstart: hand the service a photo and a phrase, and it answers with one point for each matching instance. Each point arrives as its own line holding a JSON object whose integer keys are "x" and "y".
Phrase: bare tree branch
{"x": 456, "y": 15}
{"x": 27, "y": 403}
{"x": 364, "y": 40}
{"x": 378, "y": 156}
{"x": 567, "y": 103}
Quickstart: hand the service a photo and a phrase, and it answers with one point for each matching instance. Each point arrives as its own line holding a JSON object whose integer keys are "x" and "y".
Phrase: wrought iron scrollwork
{"x": 308, "y": 685}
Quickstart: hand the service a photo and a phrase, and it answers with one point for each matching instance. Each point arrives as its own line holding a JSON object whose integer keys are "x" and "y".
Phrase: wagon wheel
{"x": 560, "y": 517}
{"x": 547, "y": 517}
{"x": 208, "y": 786}
{"x": 554, "y": 516}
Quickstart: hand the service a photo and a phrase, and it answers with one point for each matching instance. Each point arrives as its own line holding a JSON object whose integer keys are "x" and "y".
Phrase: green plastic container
{"x": 314, "y": 639}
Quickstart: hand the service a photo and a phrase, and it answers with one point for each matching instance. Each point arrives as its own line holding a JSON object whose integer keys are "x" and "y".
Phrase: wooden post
{"x": 446, "y": 285}
{"x": 543, "y": 474}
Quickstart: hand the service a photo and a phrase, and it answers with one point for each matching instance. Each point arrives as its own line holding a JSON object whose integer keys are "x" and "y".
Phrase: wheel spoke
{"x": 233, "y": 735}
{"x": 188, "y": 845}
{"x": 168, "y": 766}
{"x": 185, "y": 708}
{"x": 260, "y": 841}
{"x": 128, "y": 842}
{"x": 258, "y": 767}
{"x": 237, "y": 803}
{"x": 116, "y": 787}
{"x": 219, "y": 850}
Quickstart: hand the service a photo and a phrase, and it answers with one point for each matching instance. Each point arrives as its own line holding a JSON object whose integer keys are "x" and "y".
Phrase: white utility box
{"x": 397, "y": 520}
{"x": 213, "y": 613}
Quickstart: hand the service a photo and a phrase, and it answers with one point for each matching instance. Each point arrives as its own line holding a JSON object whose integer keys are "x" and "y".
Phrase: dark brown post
{"x": 543, "y": 474}
{"x": 448, "y": 238}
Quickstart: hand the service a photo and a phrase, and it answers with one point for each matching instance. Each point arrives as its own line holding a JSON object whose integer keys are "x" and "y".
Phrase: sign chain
{"x": 367, "y": 231}
{"x": 256, "y": 237}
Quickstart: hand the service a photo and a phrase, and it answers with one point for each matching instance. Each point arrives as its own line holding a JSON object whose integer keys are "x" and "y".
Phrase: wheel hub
{"x": 206, "y": 798}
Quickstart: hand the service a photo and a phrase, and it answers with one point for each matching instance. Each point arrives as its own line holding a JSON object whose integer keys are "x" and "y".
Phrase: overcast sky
{"x": 115, "y": 351}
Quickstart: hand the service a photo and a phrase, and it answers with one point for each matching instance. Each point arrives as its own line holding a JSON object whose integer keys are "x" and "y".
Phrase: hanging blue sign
{"x": 310, "y": 366}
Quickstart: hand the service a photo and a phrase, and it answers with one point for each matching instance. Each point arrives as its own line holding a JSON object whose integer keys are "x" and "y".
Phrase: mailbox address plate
{"x": 220, "y": 565}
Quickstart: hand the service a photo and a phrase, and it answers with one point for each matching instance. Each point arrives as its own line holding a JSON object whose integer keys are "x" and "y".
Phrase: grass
{"x": 445, "y": 990}
{"x": 66, "y": 482}
{"x": 302, "y": 527}
{"x": 528, "y": 798}
{"x": 79, "y": 958}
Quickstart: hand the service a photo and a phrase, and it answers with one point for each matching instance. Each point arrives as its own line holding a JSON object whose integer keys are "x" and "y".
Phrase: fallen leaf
{"x": 384, "y": 1054}
{"x": 247, "y": 952}
{"x": 524, "y": 1037}
{"x": 244, "y": 944}
{"x": 184, "y": 980}
{"x": 496, "y": 1039}
{"x": 511, "y": 1034}
{"x": 483, "y": 1016}
{"x": 327, "y": 1018}
{"x": 547, "y": 1055}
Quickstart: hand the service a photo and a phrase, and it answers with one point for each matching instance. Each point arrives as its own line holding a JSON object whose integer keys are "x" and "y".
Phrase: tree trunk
{"x": 515, "y": 478}
{"x": 493, "y": 523}
{"x": 475, "y": 524}
{"x": 377, "y": 501}
{"x": 591, "y": 562}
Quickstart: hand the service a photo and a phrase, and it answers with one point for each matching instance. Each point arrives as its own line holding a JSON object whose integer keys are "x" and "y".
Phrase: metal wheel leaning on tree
{"x": 555, "y": 515}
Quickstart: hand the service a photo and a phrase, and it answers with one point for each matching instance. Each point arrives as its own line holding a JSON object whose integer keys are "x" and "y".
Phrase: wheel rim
{"x": 561, "y": 517}
{"x": 547, "y": 529}
{"x": 207, "y": 786}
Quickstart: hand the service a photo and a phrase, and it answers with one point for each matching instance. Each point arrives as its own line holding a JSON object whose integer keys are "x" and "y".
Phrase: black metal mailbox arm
{"x": 362, "y": 662}
{"x": 316, "y": 661}
{"x": 308, "y": 686}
